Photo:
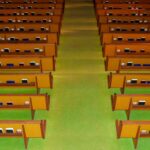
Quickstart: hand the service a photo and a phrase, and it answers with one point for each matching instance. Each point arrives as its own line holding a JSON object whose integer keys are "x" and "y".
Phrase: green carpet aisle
{"x": 80, "y": 116}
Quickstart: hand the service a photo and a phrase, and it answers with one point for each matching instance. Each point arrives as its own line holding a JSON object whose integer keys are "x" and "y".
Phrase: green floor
{"x": 80, "y": 117}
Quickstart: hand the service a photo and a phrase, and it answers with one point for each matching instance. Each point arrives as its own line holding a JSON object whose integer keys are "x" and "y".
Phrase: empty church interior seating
{"x": 29, "y": 38}
{"x": 27, "y": 49}
{"x": 26, "y": 80}
{"x": 22, "y": 129}
{"x": 133, "y": 129}
{"x": 127, "y": 64}
{"x": 129, "y": 102}
{"x": 122, "y": 1}
{"x": 111, "y": 6}
{"x": 30, "y": 102}
{"x": 127, "y": 50}
{"x": 109, "y": 38}
{"x": 123, "y": 19}
{"x": 123, "y": 27}
{"x": 30, "y": 19}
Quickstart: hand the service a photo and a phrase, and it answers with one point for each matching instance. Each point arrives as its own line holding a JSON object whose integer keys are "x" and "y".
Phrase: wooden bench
{"x": 121, "y": 6}
{"x": 41, "y": 5}
{"x": 123, "y": 19}
{"x": 27, "y": 49}
{"x": 45, "y": 1}
{"x": 30, "y": 19}
{"x": 109, "y": 38}
{"x": 143, "y": 28}
{"x": 51, "y": 38}
{"x": 129, "y": 102}
{"x": 31, "y": 12}
{"x": 31, "y": 6}
{"x": 126, "y": 50}
{"x": 127, "y": 64}
{"x": 122, "y": 1}
{"x": 30, "y": 102}
{"x": 29, "y": 27}
{"x": 27, "y": 64}
{"x": 23, "y": 129}
{"x": 133, "y": 129}
{"x": 26, "y": 80}
{"x": 32, "y": 1}
{"x": 114, "y": 12}
{"x": 133, "y": 80}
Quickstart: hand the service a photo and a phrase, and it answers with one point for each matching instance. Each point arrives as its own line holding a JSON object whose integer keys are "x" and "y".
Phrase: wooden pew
{"x": 102, "y": 12}
{"x": 46, "y": 1}
{"x": 32, "y": 1}
{"x": 27, "y": 49}
{"x": 30, "y": 102}
{"x": 25, "y": 129}
{"x": 30, "y": 19}
{"x": 32, "y": 6}
{"x": 51, "y": 38}
{"x": 27, "y": 64}
{"x": 31, "y": 12}
{"x": 144, "y": 28}
{"x": 123, "y": 19}
{"x": 129, "y": 102}
{"x": 123, "y": 1}
{"x": 127, "y": 64}
{"x": 108, "y": 38}
{"x": 121, "y": 6}
{"x": 133, "y": 129}
{"x": 44, "y": 5}
{"x": 26, "y": 80}
{"x": 127, "y": 50}
{"x": 29, "y": 27}
{"x": 134, "y": 80}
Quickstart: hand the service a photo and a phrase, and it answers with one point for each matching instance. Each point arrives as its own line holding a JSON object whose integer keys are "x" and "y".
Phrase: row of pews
{"x": 125, "y": 38}
{"x": 29, "y": 38}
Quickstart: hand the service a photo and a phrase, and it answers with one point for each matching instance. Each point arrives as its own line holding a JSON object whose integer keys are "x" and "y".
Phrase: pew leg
{"x": 118, "y": 129}
{"x": 38, "y": 90}
{"x": 26, "y": 140}
{"x": 32, "y": 114}
{"x": 112, "y": 103}
{"x": 128, "y": 114}
{"x": 136, "y": 139}
{"x": 135, "y": 142}
{"x": 43, "y": 128}
{"x": 118, "y": 71}
{"x": 122, "y": 90}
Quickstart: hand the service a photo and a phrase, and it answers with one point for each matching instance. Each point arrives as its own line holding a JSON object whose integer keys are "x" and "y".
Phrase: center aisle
{"x": 80, "y": 117}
